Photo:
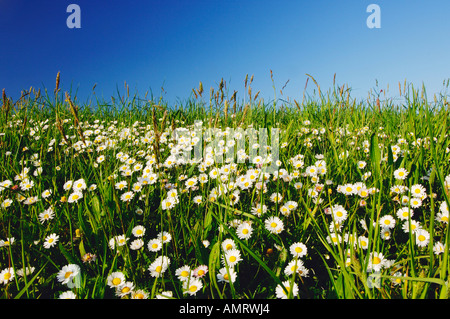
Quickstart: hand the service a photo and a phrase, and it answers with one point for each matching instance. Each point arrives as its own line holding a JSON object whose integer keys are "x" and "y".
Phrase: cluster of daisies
{"x": 126, "y": 157}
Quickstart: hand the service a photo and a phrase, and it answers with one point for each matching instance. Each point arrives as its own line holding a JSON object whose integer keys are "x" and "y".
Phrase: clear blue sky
{"x": 176, "y": 44}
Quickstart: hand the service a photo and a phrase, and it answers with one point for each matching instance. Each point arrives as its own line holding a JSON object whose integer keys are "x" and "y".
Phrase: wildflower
{"x": 283, "y": 293}
{"x": 418, "y": 191}
{"x": 79, "y": 185}
{"x": 244, "y": 230}
{"x": 115, "y": 279}
{"x": 167, "y": 204}
{"x": 387, "y": 221}
{"x": 415, "y": 202}
{"x": 69, "y": 294}
{"x": 121, "y": 185}
{"x": 46, "y": 215}
{"x": 8, "y": 242}
{"x": 6, "y": 275}
{"x": 400, "y": 174}
{"x": 47, "y": 193}
{"x": 298, "y": 250}
{"x": 68, "y": 273}
{"x": 192, "y": 286}
{"x": 138, "y": 231}
{"x": 26, "y": 184}
{"x": 164, "y": 237}
{"x": 231, "y": 257}
{"x": 276, "y": 197}
{"x": 339, "y": 213}
{"x": 228, "y": 244}
{"x": 154, "y": 245}
{"x": 259, "y": 209}
{"x": 376, "y": 262}
{"x": 200, "y": 271}
{"x": 51, "y": 241}
{"x": 415, "y": 226}
{"x": 438, "y": 248}
{"x": 67, "y": 185}
{"x": 136, "y": 244}
{"x": 127, "y": 196}
{"x": 6, "y": 203}
{"x": 139, "y": 294}
{"x": 75, "y": 197}
{"x": 274, "y": 225}
{"x": 183, "y": 273}
{"x": 296, "y": 266}
{"x": 422, "y": 237}
{"x": 404, "y": 213}
{"x": 124, "y": 289}
{"x": 159, "y": 266}
{"x": 225, "y": 275}
{"x": 165, "y": 295}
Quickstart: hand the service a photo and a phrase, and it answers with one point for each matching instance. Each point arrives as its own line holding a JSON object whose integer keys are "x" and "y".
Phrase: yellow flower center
{"x": 116, "y": 281}
{"x": 376, "y": 260}
{"x": 67, "y": 275}
{"x": 193, "y": 288}
{"x": 233, "y": 258}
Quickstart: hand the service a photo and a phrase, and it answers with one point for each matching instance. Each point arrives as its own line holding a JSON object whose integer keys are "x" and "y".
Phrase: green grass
{"x": 331, "y": 126}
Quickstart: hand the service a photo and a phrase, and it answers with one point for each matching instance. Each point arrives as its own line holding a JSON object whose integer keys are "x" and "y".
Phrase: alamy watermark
{"x": 374, "y": 19}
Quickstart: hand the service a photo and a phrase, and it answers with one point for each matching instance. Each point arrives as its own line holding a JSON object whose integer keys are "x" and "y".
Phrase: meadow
{"x": 99, "y": 200}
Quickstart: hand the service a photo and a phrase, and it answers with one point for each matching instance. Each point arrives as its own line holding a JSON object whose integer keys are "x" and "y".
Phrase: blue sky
{"x": 176, "y": 44}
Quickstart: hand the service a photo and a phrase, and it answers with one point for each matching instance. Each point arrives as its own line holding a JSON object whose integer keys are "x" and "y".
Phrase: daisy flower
{"x": 244, "y": 230}
{"x": 6, "y": 275}
{"x": 75, "y": 197}
{"x": 298, "y": 249}
{"x": 418, "y": 191}
{"x": 415, "y": 202}
{"x": 400, "y": 174}
{"x": 68, "y": 295}
{"x": 154, "y": 245}
{"x": 159, "y": 266}
{"x": 79, "y": 185}
{"x": 282, "y": 294}
{"x": 51, "y": 241}
{"x": 438, "y": 248}
{"x": 231, "y": 257}
{"x": 339, "y": 213}
{"x": 274, "y": 225}
{"x": 167, "y": 204}
{"x": 259, "y": 209}
{"x": 225, "y": 275}
{"x": 139, "y": 294}
{"x": 228, "y": 244}
{"x": 192, "y": 286}
{"x": 200, "y": 271}
{"x": 68, "y": 273}
{"x": 46, "y": 215}
{"x": 164, "y": 237}
{"x": 404, "y": 213}
{"x": 124, "y": 289}
{"x": 127, "y": 196}
{"x": 293, "y": 266}
{"x": 422, "y": 237}
{"x": 183, "y": 273}
{"x": 138, "y": 231}
{"x": 116, "y": 279}
{"x": 67, "y": 185}
{"x": 415, "y": 226}
{"x": 376, "y": 262}
{"x": 276, "y": 198}
{"x": 136, "y": 244}
{"x": 47, "y": 193}
{"x": 387, "y": 221}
